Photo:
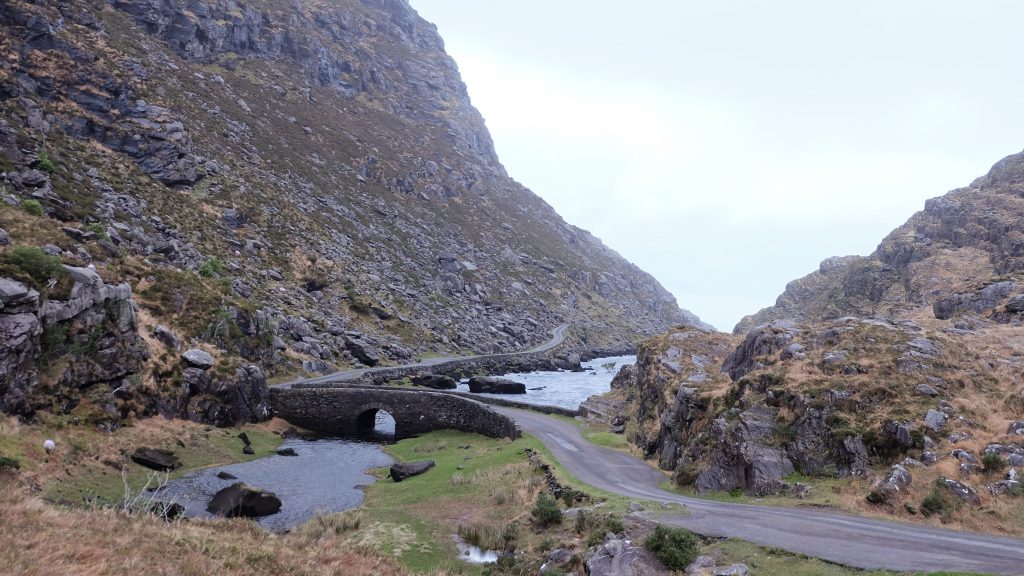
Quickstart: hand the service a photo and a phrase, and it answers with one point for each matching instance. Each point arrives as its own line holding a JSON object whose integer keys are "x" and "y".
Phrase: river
{"x": 328, "y": 473}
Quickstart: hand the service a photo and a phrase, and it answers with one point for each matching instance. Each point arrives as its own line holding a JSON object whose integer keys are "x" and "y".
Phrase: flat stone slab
{"x": 198, "y": 359}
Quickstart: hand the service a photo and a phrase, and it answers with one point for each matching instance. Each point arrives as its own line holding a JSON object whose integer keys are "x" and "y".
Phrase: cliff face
{"x": 959, "y": 244}
{"x": 297, "y": 185}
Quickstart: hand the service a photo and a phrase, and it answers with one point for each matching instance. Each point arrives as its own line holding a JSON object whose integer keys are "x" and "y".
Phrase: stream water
{"x": 328, "y": 473}
{"x": 564, "y": 389}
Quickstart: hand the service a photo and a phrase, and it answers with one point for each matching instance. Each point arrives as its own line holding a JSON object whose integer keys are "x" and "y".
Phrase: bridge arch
{"x": 366, "y": 416}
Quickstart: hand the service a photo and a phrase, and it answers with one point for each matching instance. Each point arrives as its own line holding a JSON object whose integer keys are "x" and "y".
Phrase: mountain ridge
{"x": 295, "y": 187}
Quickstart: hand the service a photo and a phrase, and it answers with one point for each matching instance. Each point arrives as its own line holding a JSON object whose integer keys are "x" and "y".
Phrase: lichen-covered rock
{"x": 890, "y": 488}
{"x": 962, "y": 491}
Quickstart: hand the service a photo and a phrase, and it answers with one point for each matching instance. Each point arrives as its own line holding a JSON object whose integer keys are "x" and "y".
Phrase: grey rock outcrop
{"x": 620, "y": 557}
{"x": 93, "y": 316}
{"x": 889, "y": 489}
{"x": 962, "y": 491}
{"x": 745, "y": 456}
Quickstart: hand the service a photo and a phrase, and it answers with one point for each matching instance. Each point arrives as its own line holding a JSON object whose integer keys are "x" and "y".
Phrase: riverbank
{"x": 484, "y": 489}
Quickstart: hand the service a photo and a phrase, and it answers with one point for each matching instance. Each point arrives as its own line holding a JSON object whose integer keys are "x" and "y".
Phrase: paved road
{"x": 557, "y": 337}
{"x": 849, "y": 540}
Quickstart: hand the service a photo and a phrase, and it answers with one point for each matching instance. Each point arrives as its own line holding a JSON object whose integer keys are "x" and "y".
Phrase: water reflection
{"x": 326, "y": 476}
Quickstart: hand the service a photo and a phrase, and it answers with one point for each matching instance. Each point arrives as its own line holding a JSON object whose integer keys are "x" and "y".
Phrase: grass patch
{"x": 480, "y": 488}
{"x": 97, "y": 480}
{"x": 777, "y": 562}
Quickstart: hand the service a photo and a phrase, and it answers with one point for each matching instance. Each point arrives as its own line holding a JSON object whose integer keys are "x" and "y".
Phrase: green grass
{"x": 412, "y": 519}
{"x": 597, "y": 433}
{"x": 103, "y": 485}
{"x": 608, "y": 440}
{"x": 776, "y": 562}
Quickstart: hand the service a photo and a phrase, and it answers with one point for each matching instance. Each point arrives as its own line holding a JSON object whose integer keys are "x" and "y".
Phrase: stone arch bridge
{"x": 350, "y": 410}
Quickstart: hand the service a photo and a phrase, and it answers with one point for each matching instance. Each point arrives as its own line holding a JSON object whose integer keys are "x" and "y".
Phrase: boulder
{"x": 935, "y": 420}
{"x": 888, "y": 490}
{"x": 198, "y": 359}
{"x": 485, "y": 384}
{"x": 557, "y": 557}
{"x": 962, "y": 491}
{"x": 156, "y": 459}
{"x": 404, "y": 470}
{"x": 619, "y": 557}
{"x": 240, "y": 500}
{"x": 434, "y": 381}
{"x": 287, "y": 452}
{"x": 362, "y": 351}
{"x": 166, "y": 336}
{"x": 226, "y": 475}
{"x": 1015, "y": 429}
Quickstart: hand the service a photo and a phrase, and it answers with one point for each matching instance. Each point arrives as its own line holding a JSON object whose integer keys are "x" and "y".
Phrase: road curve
{"x": 850, "y": 540}
{"x": 557, "y": 337}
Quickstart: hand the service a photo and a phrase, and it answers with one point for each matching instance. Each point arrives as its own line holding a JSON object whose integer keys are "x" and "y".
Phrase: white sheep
{"x": 49, "y": 446}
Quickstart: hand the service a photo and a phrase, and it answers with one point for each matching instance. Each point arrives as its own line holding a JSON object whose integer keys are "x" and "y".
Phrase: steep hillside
{"x": 957, "y": 246}
{"x": 294, "y": 187}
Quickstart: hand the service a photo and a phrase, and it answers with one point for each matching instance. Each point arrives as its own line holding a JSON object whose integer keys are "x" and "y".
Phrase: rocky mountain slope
{"x": 888, "y": 384}
{"x": 293, "y": 187}
{"x": 949, "y": 255}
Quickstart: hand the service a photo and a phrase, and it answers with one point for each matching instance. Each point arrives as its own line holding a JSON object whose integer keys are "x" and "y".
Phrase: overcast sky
{"x": 728, "y": 147}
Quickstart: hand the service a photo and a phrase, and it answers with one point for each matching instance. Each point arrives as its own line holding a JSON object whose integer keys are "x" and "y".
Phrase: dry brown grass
{"x": 38, "y": 539}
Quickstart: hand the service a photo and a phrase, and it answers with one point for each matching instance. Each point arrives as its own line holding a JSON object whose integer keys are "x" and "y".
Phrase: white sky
{"x": 726, "y": 146}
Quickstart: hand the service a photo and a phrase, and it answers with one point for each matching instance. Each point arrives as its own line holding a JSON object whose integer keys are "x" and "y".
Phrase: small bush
{"x": 97, "y": 229}
{"x": 211, "y": 268}
{"x": 546, "y": 512}
{"x": 32, "y": 207}
{"x": 675, "y": 547}
{"x": 939, "y": 501}
{"x": 992, "y": 463}
{"x": 36, "y": 264}
{"x": 686, "y": 473}
{"x": 614, "y": 525}
{"x": 8, "y": 463}
{"x": 44, "y": 163}
{"x": 581, "y": 522}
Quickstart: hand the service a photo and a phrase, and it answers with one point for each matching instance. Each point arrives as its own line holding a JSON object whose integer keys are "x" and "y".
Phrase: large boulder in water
{"x": 405, "y": 470}
{"x": 490, "y": 385}
{"x": 240, "y": 500}
{"x": 155, "y": 459}
{"x": 434, "y": 381}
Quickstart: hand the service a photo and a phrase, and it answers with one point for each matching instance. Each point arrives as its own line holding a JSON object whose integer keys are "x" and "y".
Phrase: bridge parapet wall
{"x": 338, "y": 411}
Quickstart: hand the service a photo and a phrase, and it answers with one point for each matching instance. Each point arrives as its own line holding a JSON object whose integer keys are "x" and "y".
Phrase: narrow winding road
{"x": 557, "y": 337}
{"x": 853, "y": 541}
